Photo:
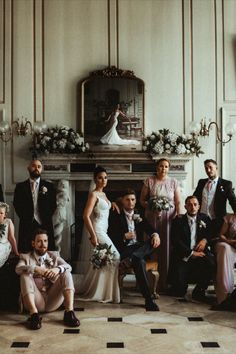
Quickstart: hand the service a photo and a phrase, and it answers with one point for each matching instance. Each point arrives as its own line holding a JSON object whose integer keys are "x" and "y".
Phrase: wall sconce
{"x": 203, "y": 129}
{"x": 21, "y": 127}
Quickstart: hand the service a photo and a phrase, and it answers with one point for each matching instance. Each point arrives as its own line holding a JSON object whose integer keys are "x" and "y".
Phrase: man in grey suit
{"x": 212, "y": 194}
{"x": 46, "y": 281}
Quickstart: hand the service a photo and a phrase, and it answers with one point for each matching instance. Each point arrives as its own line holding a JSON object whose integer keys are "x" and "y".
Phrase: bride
{"x": 112, "y": 137}
{"x": 100, "y": 284}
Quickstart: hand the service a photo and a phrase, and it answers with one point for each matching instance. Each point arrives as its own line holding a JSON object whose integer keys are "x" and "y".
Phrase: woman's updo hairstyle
{"x": 97, "y": 170}
{"x": 5, "y": 206}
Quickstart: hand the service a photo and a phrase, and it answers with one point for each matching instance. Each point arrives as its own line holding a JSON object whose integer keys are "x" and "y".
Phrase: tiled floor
{"x": 180, "y": 327}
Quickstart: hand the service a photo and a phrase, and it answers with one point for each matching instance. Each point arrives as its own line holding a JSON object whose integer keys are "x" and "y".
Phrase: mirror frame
{"x": 108, "y": 72}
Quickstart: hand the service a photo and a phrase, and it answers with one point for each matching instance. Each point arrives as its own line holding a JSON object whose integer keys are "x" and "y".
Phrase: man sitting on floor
{"x": 191, "y": 259}
{"x": 46, "y": 281}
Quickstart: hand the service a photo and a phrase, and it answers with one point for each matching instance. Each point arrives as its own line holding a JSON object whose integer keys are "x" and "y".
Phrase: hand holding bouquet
{"x": 159, "y": 203}
{"x": 102, "y": 256}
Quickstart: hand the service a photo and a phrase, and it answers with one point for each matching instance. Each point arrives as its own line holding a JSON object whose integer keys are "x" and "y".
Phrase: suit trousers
{"x": 49, "y": 300}
{"x": 138, "y": 254}
{"x": 199, "y": 270}
{"x": 226, "y": 258}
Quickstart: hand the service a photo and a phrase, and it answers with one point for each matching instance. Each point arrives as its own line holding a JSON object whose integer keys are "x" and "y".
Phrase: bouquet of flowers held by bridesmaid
{"x": 159, "y": 203}
{"x": 102, "y": 256}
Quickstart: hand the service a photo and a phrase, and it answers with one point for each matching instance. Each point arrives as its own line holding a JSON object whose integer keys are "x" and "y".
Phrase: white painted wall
{"x": 184, "y": 50}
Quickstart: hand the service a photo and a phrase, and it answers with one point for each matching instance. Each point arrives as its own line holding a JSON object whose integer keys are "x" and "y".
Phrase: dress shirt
{"x": 35, "y": 193}
{"x": 208, "y": 196}
{"x": 131, "y": 226}
{"x": 192, "y": 221}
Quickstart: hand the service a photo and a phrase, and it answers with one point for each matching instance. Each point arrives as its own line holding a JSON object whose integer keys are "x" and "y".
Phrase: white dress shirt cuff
{"x": 185, "y": 259}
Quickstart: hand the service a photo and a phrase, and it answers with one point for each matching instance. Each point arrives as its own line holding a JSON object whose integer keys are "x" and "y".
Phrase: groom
{"x": 127, "y": 235}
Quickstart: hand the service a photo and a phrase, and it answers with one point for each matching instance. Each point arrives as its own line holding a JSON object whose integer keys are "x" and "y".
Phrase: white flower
{"x": 202, "y": 224}
{"x": 167, "y": 146}
{"x": 152, "y": 137}
{"x": 144, "y": 148}
{"x": 180, "y": 149}
{"x": 158, "y": 148}
{"x": 44, "y": 190}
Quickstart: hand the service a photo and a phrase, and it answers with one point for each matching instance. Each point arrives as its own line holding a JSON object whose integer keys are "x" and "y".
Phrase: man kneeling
{"x": 46, "y": 281}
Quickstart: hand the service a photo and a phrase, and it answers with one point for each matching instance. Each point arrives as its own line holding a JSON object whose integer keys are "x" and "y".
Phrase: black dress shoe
{"x": 70, "y": 319}
{"x": 198, "y": 294}
{"x": 35, "y": 321}
{"x": 150, "y": 305}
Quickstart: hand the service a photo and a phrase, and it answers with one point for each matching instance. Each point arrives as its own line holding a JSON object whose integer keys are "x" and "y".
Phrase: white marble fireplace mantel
{"x": 121, "y": 166}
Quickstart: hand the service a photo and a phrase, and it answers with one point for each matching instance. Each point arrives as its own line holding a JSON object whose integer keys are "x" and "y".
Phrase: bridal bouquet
{"x": 102, "y": 255}
{"x": 159, "y": 204}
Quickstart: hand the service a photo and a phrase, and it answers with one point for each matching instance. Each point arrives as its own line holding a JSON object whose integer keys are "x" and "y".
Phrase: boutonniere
{"x": 49, "y": 262}
{"x": 222, "y": 189}
{"x": 202, "y": 224}
{"x": 43, "y": 190}
{"x": 137, "y": 218}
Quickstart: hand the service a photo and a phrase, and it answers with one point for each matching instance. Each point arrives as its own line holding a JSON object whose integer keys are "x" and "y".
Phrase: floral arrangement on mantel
{"x": 166, "y": 142}
{"x": 63, "y": 140}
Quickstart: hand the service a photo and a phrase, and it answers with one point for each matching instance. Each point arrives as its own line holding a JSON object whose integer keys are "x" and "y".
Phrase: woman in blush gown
{"x": 226, "y": 258}
{"x": 100, "y": 284}
{"x": 161, "y": 185}
{"x": 112, "y": 137}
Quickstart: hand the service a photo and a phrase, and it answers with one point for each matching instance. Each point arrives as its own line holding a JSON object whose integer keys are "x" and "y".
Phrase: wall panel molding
{"x": 2, "y": 51}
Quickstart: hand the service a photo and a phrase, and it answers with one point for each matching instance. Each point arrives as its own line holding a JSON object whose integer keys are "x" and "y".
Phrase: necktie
{"x": 33, "y": 186}
{"x": 209, "y": 185}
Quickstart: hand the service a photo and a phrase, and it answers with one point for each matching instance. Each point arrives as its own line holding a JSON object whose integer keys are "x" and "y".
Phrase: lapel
{"x": 124, "y": 221}
{"x": 186, "y": 227}
{"x": 27, "y": 191}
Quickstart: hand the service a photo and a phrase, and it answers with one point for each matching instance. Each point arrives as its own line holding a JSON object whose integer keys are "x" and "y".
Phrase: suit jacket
{"x": 181, "y": 234}
{"x": 23, "y": 204}
{"x": 1, "y": 194}
{"x": 224, "y": 192}
{"x": 118, "y": 227}
{"x": 27, "y": 262}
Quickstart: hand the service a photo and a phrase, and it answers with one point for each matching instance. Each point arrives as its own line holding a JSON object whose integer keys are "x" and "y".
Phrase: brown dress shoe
{"x": 35, "y": 321}
{"x": 70, "y": 319}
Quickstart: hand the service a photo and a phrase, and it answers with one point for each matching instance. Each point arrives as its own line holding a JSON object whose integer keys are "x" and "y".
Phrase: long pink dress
{"x": 162, "y": 222}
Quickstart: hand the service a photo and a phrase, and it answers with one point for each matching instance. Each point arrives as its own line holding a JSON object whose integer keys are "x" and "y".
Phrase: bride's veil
{"x": 86, "y": 247}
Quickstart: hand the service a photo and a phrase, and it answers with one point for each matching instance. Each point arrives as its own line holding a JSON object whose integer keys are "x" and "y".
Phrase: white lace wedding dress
{"x": 101, "y": 284}
{"x": 112, "y": 137}
{"x": 5, "y": 246}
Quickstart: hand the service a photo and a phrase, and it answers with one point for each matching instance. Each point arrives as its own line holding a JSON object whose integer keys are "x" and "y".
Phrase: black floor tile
{"x": 210, "y": 345}
{"x": 195, "y": 319}
{"x": 71, "y": 330}
{"x": 115, "y": 345}
{"x": 20, "y": 344}
{"x": 114, "y": 319}
{"x": 158, "y": 330}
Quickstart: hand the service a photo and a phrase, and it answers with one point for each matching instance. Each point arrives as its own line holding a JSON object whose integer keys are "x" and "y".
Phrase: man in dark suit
{"x": 191, "y": 259}
{"x": 34, "y": 202}
{"x": 1, "y": 194}
{"x": 213, "y": 193}
{"x": 127, "y": 232}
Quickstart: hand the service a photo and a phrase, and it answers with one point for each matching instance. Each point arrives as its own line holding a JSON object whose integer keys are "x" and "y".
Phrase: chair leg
{"x": 153, "y": 277}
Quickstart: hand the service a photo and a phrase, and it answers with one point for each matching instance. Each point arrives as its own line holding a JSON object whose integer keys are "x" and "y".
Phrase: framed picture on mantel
{"x": 111, "y": 110}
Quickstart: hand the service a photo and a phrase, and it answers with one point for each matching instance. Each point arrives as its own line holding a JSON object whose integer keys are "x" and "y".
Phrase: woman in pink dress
{"x": 161, "y": 185}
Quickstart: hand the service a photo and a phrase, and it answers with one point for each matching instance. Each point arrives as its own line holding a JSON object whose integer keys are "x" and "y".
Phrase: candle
{"x": 3, "y": 115}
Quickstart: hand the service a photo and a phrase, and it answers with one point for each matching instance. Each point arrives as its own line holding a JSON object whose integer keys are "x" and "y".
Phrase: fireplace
{"x": 125, "y": 170}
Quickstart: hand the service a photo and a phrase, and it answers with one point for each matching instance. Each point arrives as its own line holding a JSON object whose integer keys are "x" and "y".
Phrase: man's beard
{"x": 35, "y": 174}
{"x": 41, "y": 251}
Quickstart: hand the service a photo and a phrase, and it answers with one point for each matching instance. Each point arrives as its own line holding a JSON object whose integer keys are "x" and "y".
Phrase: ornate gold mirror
{"x": 112, "y": 102}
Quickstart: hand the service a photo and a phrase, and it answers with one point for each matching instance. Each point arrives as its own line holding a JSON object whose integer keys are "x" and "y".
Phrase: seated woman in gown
{"x": 226, "y": 258}
{"x": 100, "y": 284}
{"x": 112, "y": 137}
{"x": 7, "y": 238}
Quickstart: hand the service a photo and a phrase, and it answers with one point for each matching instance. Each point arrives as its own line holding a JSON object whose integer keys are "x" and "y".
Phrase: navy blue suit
{"x": 224, "y": 191}
{"x": 199, "y": 269}
{"x": 23, "y": 204}
{"x": 137, "y": 252}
